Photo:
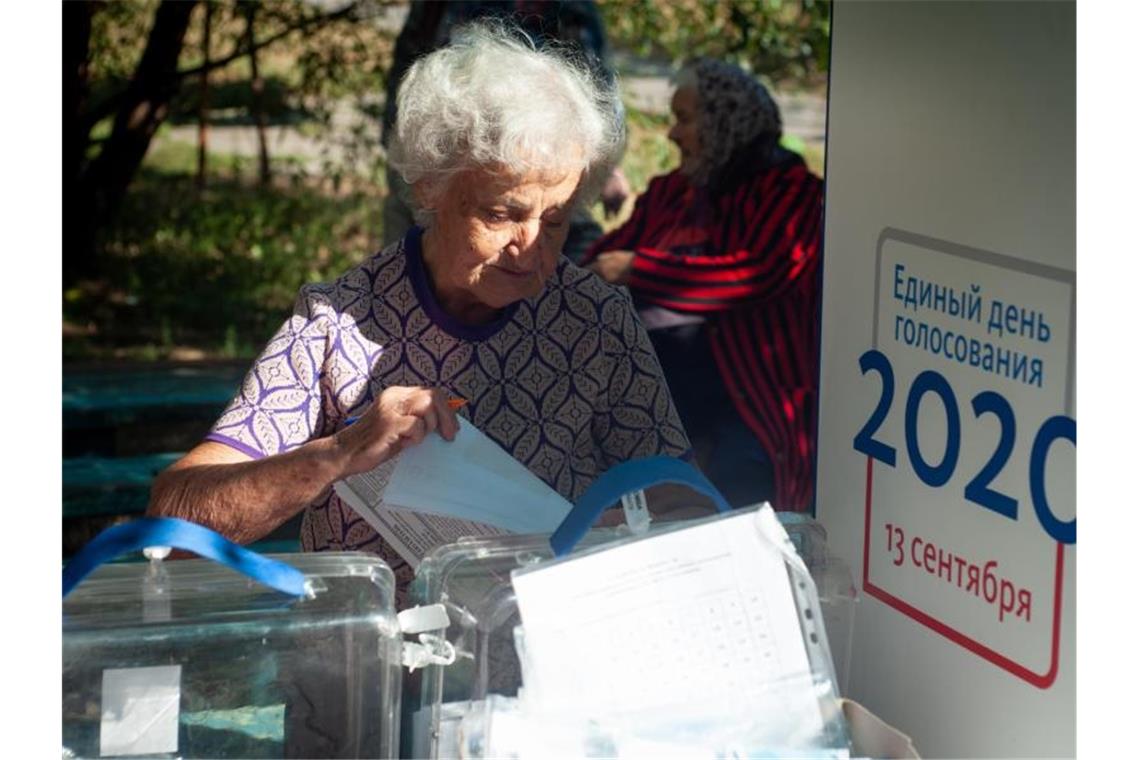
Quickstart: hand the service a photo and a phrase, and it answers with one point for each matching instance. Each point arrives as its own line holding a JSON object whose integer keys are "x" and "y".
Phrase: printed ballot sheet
{"x": 702, "y": 617}
{"x": 439, "y": 491}
{"x": 473, "y": 478}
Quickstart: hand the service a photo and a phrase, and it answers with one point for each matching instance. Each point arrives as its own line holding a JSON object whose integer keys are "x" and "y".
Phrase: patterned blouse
{"x": 567, "y": 381}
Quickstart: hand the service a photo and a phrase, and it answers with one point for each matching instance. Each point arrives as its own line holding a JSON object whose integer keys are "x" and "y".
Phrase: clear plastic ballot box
{"x": 472, "y": 579}
{"x": 191, "y": 659}
{"x": 834, "y": 583}
{"x": 304, "y": 655}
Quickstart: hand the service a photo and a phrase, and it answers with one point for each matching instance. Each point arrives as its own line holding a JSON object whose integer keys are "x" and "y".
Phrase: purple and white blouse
{"x": 567, "y": 381}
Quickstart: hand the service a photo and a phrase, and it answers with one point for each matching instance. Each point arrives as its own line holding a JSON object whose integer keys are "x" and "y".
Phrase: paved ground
{"x": 645, "y": 86}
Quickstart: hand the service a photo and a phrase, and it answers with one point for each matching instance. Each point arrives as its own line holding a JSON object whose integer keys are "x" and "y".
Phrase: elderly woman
{"x": 722, "y": 257}
{"x": 498, "y": 142}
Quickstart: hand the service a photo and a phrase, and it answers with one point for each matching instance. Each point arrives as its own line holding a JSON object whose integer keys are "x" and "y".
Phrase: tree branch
{"x": 241, "y": 50}
{"x": 110, "y": 104}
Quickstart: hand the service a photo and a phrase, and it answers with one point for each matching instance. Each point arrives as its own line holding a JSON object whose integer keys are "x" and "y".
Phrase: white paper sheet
{"x": 702, "y": 617}
{"x": 439, "y": 491}
{"x": 140, "y": 710}
{"x": 413, "y": 534}
{"x": 472, "y": 478}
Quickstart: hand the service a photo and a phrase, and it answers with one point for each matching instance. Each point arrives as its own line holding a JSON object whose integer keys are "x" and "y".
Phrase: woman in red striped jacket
{"x": 722, "y": 259}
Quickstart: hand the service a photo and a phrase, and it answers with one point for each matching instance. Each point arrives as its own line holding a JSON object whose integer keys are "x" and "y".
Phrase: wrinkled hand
{"x": 400, "y": 417}
{"x": 613, "y": 266}
{"x": 614, "y": 193}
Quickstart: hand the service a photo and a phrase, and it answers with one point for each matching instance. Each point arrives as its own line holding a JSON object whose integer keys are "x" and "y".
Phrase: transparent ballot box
{"x": 452, "y": 710}
{"x": 189, "y": 659}
{"x": 679, "y": 641}
{"x": 834, "y": 584}
{"x": 303, "y": 655}
{"x": 471, "y": 578}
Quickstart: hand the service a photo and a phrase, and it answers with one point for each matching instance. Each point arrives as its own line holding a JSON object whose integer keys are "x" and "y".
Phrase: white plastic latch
{"x": 156, "y": 586}
{"x": 433, "y": 648}
{"x": 636, "y": 512}
{"x": 154, "y": 553}
{"x": 430, "y": 617}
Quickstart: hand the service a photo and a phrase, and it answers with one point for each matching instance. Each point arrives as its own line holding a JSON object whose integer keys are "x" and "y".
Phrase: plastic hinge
{"x": 636, "y": 510}
{"x": 433, "y": 648}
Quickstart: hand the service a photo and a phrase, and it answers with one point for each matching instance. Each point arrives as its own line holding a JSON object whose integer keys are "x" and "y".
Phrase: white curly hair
{"x": 491, "y": 100}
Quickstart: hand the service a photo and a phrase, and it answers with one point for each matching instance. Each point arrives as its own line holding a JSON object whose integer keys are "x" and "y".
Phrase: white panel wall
{"x": 952, "y": 160}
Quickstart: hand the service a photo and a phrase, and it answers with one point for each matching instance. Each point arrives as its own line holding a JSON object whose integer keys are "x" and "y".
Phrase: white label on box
{"x": 140, "y": 710}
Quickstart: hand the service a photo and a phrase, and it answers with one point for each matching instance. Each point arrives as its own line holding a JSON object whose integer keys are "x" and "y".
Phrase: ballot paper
{"x": 438, "y": 491}
{"x": 697, "y": 619}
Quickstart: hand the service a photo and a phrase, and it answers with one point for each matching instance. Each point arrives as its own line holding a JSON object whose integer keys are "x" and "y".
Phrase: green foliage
{"x": 811, "y": 153}
{"x": 217, "y": 271}
{"x": 118, "y": 36}
{"x": 331, "y": 75}
{"x": 777, "y": 39}
{"x": 231, "y": 103}
{"x": 649, "y": 152}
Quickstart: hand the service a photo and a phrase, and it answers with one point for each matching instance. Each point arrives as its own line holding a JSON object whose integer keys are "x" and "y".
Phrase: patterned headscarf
{"x": 736, "y": 113}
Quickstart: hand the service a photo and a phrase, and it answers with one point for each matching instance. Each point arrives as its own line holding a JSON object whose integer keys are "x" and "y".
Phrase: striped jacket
{"x": 755, "y": 277}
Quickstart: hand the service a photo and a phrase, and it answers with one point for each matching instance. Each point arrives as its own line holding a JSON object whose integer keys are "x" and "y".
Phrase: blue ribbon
{"x": 622, "y": 479}
{"x": 180, "y": 534}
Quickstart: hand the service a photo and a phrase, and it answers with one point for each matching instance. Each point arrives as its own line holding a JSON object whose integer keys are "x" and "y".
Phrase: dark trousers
{"x": 726, "y": 450}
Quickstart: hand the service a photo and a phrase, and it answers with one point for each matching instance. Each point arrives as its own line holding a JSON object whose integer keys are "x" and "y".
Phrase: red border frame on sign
{"x": 1040, "y": 680}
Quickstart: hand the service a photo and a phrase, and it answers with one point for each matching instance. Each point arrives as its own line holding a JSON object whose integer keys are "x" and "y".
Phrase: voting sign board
{"x": 947, "y": 439}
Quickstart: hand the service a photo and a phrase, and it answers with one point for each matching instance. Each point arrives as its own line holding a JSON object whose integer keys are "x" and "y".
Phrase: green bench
{"x": 94, "y": 395}
{"x": 124, "y": 424}
{"x": 98, "y": 486}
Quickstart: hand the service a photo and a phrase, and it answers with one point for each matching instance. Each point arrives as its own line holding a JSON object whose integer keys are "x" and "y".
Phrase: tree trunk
{"x": 76, "y": 55}
{"x": 100, "y": 189}
{"x": 204, "y": 98}
{"x": 257, "y": 101}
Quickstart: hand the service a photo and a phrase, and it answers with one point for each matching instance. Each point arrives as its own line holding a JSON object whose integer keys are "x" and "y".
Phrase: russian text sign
{"x": 948, "y": 424}
{"x": 971, "y": 376}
